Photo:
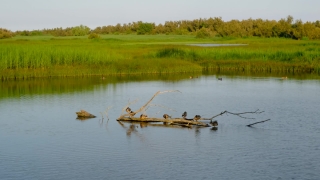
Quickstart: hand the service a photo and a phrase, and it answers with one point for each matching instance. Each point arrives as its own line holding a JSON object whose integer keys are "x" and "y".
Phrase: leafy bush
{"x": 4, "y": 33}
{"x": 203, "y": 33}
{"x": 145, "y": 28}
{"x": 93, "y": 36}
{"x": 80, "y": 30}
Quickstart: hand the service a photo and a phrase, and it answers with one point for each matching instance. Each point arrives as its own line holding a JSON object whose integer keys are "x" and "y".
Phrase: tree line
{"x": 202, "y": 28}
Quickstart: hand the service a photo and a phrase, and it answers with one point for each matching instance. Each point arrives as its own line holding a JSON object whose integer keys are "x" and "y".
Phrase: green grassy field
{"x": 48, "y": 56}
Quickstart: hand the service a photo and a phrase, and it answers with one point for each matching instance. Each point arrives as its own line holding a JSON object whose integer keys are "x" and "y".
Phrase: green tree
{"x": 80, "y": 30}
{"x": 145, "y": 28}
{"x": 4, "y": 33}
{"x": 203, "y": 33}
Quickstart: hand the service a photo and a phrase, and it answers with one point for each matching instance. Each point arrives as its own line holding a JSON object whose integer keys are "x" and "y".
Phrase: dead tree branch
{"x": 184, "y": 122}
{"x": 144, "y": 106}
{"x": 249, "y": 125}
{"x": 236, "y": 114}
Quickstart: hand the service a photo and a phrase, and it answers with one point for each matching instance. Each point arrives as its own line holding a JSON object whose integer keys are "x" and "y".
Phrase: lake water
{"x": 40, "y": 137}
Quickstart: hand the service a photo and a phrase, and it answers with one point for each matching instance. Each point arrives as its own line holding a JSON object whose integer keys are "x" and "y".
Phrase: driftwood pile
{"x": 129, "y": 116}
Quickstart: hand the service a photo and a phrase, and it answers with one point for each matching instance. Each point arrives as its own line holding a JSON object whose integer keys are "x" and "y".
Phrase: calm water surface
{"x": 40, "y": 137}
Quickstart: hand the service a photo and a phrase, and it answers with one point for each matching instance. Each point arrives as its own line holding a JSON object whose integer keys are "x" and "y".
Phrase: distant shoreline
{"x": 48, "y": 56}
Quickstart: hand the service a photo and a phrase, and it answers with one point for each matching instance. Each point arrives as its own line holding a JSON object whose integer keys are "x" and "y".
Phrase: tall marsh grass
{"x": 246, "y": 58}
{"x": 45, "y": 57}
{"x": 33, "y": 57}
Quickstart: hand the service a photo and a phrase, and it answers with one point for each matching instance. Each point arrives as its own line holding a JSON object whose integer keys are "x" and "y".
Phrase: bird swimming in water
{"x": 143, "y": 116}
{"x": 214, "y": 123}
{"x": 184, "y": 115}
{"x": 220, "y": 79}
{"x": 197, "y": 117}
{"x": 166, "y": 116}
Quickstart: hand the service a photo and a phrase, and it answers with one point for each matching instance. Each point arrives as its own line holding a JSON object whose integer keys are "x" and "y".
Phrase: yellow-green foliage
{"x": 4, "y": 33}
{"x": 45, "y": 56}
{"x": 93, "y": 36}
{"x": 204, "y": 33}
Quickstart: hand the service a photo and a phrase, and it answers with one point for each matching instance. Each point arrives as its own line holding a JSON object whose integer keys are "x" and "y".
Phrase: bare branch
{"x": 184, "y": 122}
{"x": 236, "y": 114}
{"x": 157, "y": 93}
{"x": 249, "y": 125}
{"x": 144, "y": 106}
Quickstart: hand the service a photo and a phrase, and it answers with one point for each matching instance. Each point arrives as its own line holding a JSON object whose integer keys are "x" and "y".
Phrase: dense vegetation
{"x": 47, "y": 56}
{"x": 4, "y": 33}
{"x": 163, "y": 48}
{"x": 212, "y": 27}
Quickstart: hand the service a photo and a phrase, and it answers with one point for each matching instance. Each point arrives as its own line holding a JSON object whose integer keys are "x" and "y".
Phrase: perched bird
{"x": 166, "y": 116}
{"x": 131, "y": 113}
{"x": 197, "y": 117}
{"x": 143, "y": 116}
{"x": 128, "y": 110}
{"x": 220, "y": 79}
{"x": 284, "y": 77}
{"x": 184, "y": 115}
{"x": 214, "y": 123}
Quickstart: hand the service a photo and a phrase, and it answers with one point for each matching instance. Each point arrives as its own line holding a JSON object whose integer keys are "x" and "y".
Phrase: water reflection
{"x": 40, "y": 138}
{"x": 83, "y": 118}
{"x": 40, "y": 86}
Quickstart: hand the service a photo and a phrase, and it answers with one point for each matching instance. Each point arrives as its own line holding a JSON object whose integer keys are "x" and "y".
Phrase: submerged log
{"x": 84, "y": 114}
{"x": 170, "y": 121}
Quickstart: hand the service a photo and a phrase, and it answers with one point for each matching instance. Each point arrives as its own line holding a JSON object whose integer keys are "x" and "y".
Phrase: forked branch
{"x": 144, "y": 106}
{"x": 236, "y": 114}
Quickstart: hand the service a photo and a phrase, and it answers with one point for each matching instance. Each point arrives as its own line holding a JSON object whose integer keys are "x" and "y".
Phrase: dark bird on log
{"x": 166, "y": 116}
{"x": 220, "y": 79}
{"x": 214, "y": 123}
{"x": 143, "y": 116}
{"x": 184, "y": 115}
{"x": 197, "y": 117}
{"x": 131, "y": 113}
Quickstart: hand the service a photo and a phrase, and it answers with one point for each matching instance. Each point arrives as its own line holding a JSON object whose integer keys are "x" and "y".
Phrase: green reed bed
{"x": 34, "y": 60}
{"x": 247, "y": 58}
{"x": 48, "y": 57}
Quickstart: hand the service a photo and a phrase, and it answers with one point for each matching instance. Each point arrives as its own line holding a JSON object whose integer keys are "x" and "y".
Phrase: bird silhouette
{"x": 214, "y": 123}
{"x": 143, "y": 116}
{"x": 166, "y": 116}
{"x": 131, "y": 113}
{"x": 184, "y": 115}
{"x": 197, "y": 117}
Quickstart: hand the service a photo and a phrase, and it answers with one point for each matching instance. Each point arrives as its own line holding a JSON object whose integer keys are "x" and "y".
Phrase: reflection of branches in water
{"x": 106, "y": 113}
{"x": 101, "y": 120}
{"x": 132, "y": 129}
